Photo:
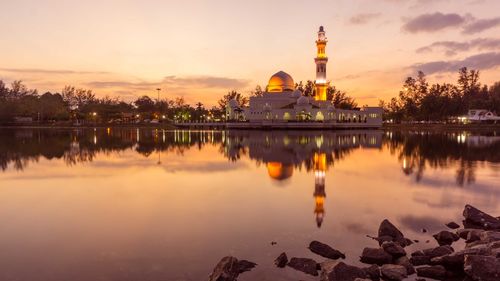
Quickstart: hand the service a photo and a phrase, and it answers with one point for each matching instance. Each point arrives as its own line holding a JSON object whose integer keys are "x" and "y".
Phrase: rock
{"x": 453, "y": 261}
{"x": 475, "y": 218}
{"x": 435, "y": 272}
{"x": 362, "y": 279}
{"x": 325, "y": 250}
{"x": 394, "y": 249}
{"x": 387, "y": 229}
{"x": 473, "y": 236}
{"x": 453, "y": 225}
{"x": 375, "y": 256}
{"x": 305, "y": 265}
{"x": 417, "y": 253}
{"x": 229, "y": 268}
{"x": 438, "y": 251}
{"x": 339, "y": 271}
{"x": 424, "y": 230}
{"x": 281, "y": 260}
{"x": 489, "y": 236}
{"x": 373, "y": 272}
{"x": 404, "y": 261}
{"x": 393, "y": 272}
{"x": 420, "y": 260}
{"x": 446, "y": 238}
{"x": 483, "y": 268}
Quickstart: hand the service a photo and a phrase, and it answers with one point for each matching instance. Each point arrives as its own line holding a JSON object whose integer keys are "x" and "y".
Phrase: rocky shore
{"x": 479, "y": 260}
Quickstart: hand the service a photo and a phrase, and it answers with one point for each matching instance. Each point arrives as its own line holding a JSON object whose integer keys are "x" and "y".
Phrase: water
{"x": 147, "y": 204}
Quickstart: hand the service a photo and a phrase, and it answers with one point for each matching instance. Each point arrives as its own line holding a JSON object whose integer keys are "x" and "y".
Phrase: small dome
{"x": 281, "y": 82}
{"x": 267, "y": 107}
{"x": 303, "y": 100}
{"x": 331, "y": 107}
{"x": 279, "y": 171}
{"x": 296, "y": 94}
{"x": 233, "y": 103}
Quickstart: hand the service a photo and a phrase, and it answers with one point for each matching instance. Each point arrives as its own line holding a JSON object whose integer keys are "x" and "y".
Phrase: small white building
{"x": 482, "y": 115}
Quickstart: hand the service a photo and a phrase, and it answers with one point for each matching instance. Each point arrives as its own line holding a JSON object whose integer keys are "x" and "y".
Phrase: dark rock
{"x": 245, "y": 265}
{"x": 339, "y": 271}
{"x": 438, "y": 251}
{"x": 375, "y": 256}
{"x": 424, "y": 230}
{"x": 281, "y": 260}
{"x": 229, "y": 268}
{"x": 435, "y": 272}
{"x": 475, "y": 218}
{"x": 483, "y": 268}
{"x": 305, "y": 265}
{"x": 393, "y": 272}
{"x": 420, "y": 260}
{"x": 473, "y": 236}
{"x": 325, "y": 250}
{"x": 446, "y": 238}
{"x": 394, "y": 249}
{"x": 453, "y": 225}
{"x": 404, "y": 261}
{"x": 273, "y": 243}
{"x": 386, "y": 228}
{"x": 373, "y": 272}
{"x": 416, "y": 241}
{"x": 417, "y": 253}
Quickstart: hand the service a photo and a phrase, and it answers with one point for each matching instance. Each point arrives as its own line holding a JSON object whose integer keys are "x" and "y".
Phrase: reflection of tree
{"x": 416, "y": 151}
{"x": 19, "y": 147}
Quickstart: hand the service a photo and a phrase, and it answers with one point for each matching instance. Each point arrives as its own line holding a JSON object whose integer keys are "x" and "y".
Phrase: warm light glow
{"x": 279, "y": 171}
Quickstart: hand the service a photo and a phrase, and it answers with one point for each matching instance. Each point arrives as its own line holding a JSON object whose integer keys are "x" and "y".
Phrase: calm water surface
{"x": 147, "y": 204}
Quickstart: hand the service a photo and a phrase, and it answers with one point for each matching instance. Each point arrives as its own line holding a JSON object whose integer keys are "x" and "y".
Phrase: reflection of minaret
{"x": 319, "y": 186}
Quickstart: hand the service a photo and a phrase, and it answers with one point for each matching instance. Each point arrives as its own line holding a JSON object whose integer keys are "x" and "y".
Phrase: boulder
{"x": 435, "y": 272}
{"x": 445, "y": 237}
{"x": 394, "y": 249}
{"x": 387, "y": 229}
{"x": 339, "y": 271}
{"x": 420, "y": 260}
{"x": 281, "y": 260}
{"x": 375, "y": 256}
{"x": 325, "y": 250}
{"x": 404, "y": 261}
{"x": 305, "y": 265}
{"x": 482, "y": 268}
{"x": 393, "y": 272}
{"x": 438, "y": 251}
{"x": 229, "y": 268}
{"x": 373, "y": 272}
{"x": 475, "y": 218}
{"x": 452, "y": 225}
{"x": 453, "y": 261}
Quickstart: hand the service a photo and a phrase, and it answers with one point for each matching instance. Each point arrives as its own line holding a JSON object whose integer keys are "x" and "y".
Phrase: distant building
{"x": 281, "y": 103}
{"x": 482, "y": 115}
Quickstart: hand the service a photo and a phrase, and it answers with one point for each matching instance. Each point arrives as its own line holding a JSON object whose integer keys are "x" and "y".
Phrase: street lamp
{"x": 158, "y": 89}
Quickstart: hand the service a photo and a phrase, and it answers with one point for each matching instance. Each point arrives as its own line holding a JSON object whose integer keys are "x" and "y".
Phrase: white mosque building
{"x": 282, "y": 106}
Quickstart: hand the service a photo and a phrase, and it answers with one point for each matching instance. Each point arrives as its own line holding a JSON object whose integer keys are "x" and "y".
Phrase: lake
{"x": 149, "y": 204}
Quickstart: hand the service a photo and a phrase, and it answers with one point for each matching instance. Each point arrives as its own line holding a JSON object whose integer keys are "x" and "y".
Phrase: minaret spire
{"x": 321, "y": 60}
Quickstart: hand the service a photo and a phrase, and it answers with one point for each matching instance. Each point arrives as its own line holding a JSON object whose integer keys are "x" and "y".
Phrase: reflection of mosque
{"x": 284, "y": 151}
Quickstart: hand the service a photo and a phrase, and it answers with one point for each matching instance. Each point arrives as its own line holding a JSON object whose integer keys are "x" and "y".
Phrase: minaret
{"x": 321, "y": 60}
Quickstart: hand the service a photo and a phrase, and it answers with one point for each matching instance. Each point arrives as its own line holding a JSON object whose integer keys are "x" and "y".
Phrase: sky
{"x": 201, "y": 49}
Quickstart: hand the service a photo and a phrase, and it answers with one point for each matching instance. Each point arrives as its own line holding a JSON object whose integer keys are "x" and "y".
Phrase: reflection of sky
{"x": 122, "y": 216}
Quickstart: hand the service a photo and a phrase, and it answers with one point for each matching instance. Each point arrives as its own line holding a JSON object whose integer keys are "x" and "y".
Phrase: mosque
{"x": 283, "y": 106}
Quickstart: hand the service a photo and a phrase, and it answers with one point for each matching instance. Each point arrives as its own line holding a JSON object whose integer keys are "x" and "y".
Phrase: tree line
{"x": 420, "y": 101}
{"x": 78, "y": 104}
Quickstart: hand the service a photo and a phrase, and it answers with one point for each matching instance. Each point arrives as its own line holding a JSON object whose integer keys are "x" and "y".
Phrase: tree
{"x": 257, "y": 92}
{"x": 144, "y": 104}
{"x": 340, "y": 99}
{"x": 242, "y": 100}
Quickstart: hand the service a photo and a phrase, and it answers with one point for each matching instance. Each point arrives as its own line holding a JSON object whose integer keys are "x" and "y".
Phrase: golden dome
{"x": 281, "y": 82}
{"x": 279, "y": 171}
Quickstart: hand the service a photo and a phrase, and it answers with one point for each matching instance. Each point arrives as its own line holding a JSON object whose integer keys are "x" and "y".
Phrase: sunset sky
{"x": 200, "y": 49}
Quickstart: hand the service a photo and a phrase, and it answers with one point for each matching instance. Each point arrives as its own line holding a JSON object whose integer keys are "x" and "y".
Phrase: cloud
{"x": 175, "y": 82}
{"x": 363, "y": 18}
{"x": 433, "y": 22}
{"x": 481, "y": 25}
{"x": 49, "y": 71}
{"x": 451, "y": 48}
{"x": 480, "y": 62}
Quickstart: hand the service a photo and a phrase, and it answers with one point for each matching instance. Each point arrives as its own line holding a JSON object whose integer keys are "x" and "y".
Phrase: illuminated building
{"x": 281, "y": 105}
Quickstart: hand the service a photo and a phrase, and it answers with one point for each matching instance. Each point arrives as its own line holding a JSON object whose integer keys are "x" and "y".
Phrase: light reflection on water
{"x": 149, "y": 204}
